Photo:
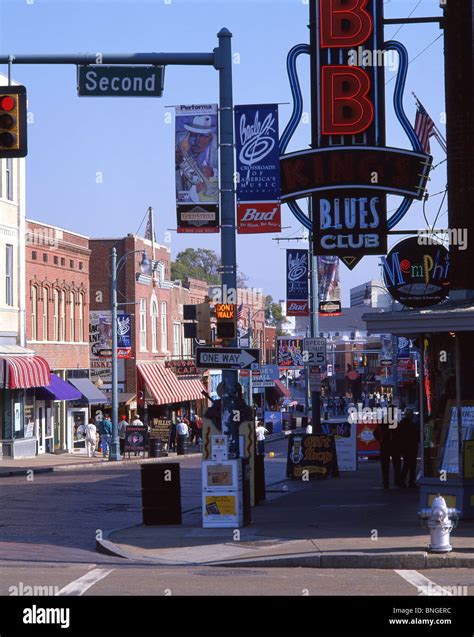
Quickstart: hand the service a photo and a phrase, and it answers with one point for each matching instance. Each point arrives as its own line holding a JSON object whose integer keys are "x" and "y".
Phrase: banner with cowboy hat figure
{"x": 197, "y": 168}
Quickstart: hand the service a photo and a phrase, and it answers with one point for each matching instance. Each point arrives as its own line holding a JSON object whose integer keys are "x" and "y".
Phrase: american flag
{"x": 240, "y": 311}
{"x": 424, "y": 127}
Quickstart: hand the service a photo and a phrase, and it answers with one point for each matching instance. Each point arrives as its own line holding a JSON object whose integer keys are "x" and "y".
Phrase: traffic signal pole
{"x": 221, "y": 60}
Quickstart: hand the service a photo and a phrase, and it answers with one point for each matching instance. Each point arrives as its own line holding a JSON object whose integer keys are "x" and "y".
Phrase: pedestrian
{"x": 409, "y": 439}
{"x": 173, "y": 435}
{"x": 309, "y": 428}
{"x": 91, "y": 438}
{"x": 261, "y": 431}
{"x": 192, "y": 429}
{"x": 389, "y": 440}
{"x": 199, "y": 432}
{"x": 122, "y": 432}
{"x": 105, "y": 431}
{"x": 182, "y": 431}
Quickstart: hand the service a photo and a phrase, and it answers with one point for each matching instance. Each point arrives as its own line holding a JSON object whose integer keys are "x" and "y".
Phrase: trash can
{"x": 181, "y": 445}
{"x": 161, "y": 493}
{"x": 155, "y": 448}
{"x": 259, "y": 478}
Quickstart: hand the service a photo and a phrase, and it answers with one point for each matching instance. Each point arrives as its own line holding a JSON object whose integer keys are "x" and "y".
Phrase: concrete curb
{"x": 389, "y": 560}
{"x": 92, "y": 465}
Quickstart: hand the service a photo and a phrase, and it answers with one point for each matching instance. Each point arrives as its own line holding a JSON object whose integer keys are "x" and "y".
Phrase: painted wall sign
{"x": 297, "y": 264}
{"x": 417, "y": 275}
{"x": 349, "y": 170}
{"x": 258, "y": 170}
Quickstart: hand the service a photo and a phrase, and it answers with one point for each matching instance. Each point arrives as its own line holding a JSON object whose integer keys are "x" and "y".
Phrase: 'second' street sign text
{"x": 120, "y": 81}
{"x": 227, "y": 358}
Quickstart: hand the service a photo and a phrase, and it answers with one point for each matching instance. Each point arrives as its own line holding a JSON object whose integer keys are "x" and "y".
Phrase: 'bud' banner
{"x": 297, "y": 303}
{"x": 258, "y": 169}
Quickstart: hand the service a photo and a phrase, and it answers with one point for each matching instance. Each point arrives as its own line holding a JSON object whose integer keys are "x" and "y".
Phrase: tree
{"x": 202, "y": 264}
{"x": 274, "y": 315}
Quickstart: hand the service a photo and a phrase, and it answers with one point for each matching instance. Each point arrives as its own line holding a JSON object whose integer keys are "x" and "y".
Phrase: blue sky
{"x": 130, "y": 141}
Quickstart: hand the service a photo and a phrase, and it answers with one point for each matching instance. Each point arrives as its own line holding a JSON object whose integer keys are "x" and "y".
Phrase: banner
{"x": 290, "y": 353}
{"x": 124, "y": 336}
{"x": 386, "y": 349}
{"x": 258, "y": 169}
{"x": 197, "y": 168}
{"x": 329, "y": 289}
{"x": 297, "y": 263}
{"x": 403, "y": 347}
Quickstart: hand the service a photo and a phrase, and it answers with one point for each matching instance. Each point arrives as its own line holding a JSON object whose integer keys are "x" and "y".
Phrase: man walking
{"x": 261, "y": 431}
{"x": 122, "y": 432}
{"x": 91, "y": 438}
{"x": 409, "y": 439}
{"x": 388, "y": 437}
{"x": 105, "y": 431}
{"x": 182, "y": 434}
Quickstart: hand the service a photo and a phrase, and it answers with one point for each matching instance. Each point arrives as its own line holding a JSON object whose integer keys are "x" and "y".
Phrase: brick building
{"x": 154, "y": 303}
{"x": 57, "y": 311}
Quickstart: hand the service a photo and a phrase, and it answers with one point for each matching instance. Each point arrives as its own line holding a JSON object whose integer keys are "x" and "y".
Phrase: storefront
{"x": 162, "y": 394}
{"x": 20, "y": 373}
{"x": 79, "y": 411}
{"x": 443, "y": 335}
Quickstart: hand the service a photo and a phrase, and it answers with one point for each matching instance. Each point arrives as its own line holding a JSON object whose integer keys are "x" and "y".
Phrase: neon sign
{"x": 349, "y": 171}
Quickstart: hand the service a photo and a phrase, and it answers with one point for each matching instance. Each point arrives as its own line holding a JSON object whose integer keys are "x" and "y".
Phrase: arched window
{"x": 62, "y": 317}
{"x": 81, "y": 318}
{"x": 56, "y": 315}
{"x": 154, "y": 326}
{"x": 45, "y": 314}
{"x": 34, "y": 312}
{"x": 72, "y": 323}
{"x": 164, "y": 327}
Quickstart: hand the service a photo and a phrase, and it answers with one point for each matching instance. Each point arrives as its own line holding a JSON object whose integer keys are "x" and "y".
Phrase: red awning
{"x": 281, "y": 389}
{"x": 23, "y": 372}
{"x": 166, "y": 387}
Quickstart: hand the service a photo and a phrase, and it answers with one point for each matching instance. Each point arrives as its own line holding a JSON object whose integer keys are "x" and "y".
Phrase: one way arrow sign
{"x": 227, "y": 358}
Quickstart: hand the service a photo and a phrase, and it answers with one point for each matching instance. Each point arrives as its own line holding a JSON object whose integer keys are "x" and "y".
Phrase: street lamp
{"x": 145, "y": 264}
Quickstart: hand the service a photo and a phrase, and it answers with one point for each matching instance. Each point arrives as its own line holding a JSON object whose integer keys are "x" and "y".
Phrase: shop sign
{"x": 417, "y": 275}
{"x": 314, "y": 454}
{"x": 183, "y": 367}
{"x": 349, "y": 169}
{"x": 160, "y": 428}
{"x": 135, "y": 439}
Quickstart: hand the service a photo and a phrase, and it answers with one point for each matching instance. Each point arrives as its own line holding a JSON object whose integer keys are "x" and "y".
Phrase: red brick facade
{"x": 57, "y": 295}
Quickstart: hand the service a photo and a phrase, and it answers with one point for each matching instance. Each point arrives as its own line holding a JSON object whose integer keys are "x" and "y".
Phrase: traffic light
{"x": 200, "y": 315}
{"x": 13, "y": 141}
{"x": 226, "y": 315}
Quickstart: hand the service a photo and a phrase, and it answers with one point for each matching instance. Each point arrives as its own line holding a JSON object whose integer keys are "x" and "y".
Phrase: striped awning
{"x": 166, "y": 387}
{"x": 23, "y": 372}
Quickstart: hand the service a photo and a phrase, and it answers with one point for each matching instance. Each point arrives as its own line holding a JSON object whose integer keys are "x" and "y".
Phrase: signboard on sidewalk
{"x": 311, "y": 455}
{"x": 160, "y": 428}
{"x": 135, "y": 439}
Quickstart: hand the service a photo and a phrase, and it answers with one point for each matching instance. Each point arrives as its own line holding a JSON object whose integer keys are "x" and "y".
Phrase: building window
{"x": 81, "y": 265}
{"x": 154, "y": 326}
{"x": 164, "y": 328}
{"x": 34, "y": 255}
{"x": 9, "y": 178}
{"x": 56, "y": 315}
{"x": 62, "y": 317}
{"x": 71, "y": 263}
{"x": 45, "y": 314}
{"x": 45, "y": 257}
{"x": 177, "y": 339}
{"x": 34, "y": 312}
{"x": 72, "y": 323}
{"x": 56, "y": 261}
{"x": 81, "y": 318}
{"x": 143, "y": 325}
{"x": 9, "y": 274}
{"x": 63, "y": 261}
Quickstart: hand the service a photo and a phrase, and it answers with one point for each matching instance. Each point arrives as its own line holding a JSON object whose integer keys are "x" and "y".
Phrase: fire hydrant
{"x": 441, "y": 520}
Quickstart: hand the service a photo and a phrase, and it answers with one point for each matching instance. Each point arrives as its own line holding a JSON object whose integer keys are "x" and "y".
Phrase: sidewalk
{"x": 346, "y": 522}
{"x": 48, "y": 462}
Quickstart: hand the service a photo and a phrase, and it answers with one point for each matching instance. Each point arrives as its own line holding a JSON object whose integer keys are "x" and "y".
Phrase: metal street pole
{"x": 314, "y": 322}
{"x": 223, "y": 63}
{"x": 115, "y": 446}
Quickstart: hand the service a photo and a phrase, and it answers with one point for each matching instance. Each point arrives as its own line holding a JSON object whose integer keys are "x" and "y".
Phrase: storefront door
{"x": 40, "y": 418}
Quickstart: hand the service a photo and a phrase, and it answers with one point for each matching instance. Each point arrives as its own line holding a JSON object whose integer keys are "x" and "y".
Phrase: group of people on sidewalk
{"x": 397, "y": 440}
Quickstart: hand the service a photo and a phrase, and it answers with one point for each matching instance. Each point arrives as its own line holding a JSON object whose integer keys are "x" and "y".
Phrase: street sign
{"x": 227, "y": 358}
{"x": 263, "y": 383}
{"x": 314, "y": 379}
{"x": 314, "y": 351}
{"x": 120, "y": 81}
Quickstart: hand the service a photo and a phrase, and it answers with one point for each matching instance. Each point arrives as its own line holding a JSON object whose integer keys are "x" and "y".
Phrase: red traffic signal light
{"x": 13, "y": 121}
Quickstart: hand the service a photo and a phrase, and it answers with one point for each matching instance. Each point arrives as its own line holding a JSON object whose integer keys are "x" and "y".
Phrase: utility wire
{"x": 417, "y": 56}
{"x": 408, "y": 16}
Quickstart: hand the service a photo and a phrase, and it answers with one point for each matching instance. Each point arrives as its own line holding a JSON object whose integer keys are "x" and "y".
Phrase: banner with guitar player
{"x": 197, "y": 168}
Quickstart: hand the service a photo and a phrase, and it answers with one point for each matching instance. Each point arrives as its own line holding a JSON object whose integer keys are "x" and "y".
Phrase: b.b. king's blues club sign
{"x": 348, "y": 171}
